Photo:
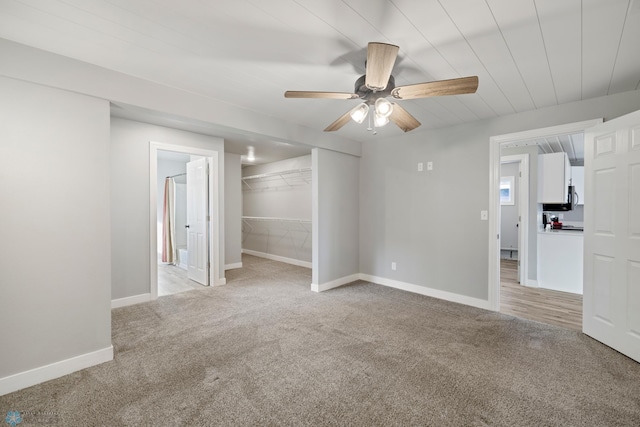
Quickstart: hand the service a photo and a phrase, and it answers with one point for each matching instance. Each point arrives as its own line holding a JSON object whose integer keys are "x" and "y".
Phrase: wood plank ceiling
{"x": 528, "y": 54}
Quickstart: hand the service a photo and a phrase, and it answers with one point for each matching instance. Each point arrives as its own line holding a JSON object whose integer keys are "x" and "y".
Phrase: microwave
{"x": 555, "y": 207}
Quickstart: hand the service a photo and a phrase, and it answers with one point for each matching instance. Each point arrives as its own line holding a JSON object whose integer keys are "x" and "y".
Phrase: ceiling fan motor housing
{"x": 370, "y": 96}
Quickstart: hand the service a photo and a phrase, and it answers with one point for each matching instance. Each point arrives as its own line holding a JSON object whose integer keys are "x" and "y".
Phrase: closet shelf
{"x": 287, "y": 178}
{"x": 274, "y": 230}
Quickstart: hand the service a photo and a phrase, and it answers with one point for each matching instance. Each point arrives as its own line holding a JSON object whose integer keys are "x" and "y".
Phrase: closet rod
{"x": 270, "y": 174}
{"x": 180, "y": 174}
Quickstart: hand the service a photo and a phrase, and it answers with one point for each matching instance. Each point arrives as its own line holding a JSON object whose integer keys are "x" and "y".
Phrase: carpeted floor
{"x": 264, "y": 350}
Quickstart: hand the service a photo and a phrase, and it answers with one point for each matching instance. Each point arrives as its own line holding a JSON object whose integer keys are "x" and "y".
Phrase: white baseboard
{"x": 430, "y": 292}
{"x": 334, "y": 283}
{"x": 54, "y": 370}
{"x": 272, "y": 257}
{"x": 233, "y": 266}
{"x": 136, "y": 299}
{"x": 220, "y": 282}
{"x": 532, "y": 283}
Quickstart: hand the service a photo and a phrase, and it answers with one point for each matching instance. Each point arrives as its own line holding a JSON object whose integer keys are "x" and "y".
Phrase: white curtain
{"x": 168, "y": 222}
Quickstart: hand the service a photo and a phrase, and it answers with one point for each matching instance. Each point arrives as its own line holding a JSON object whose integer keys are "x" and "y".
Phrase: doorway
{"x": 182, "y": 211}
{"x": 514, "y": 212}
{"x": 210, "y": 242}
{"x": 496, "y": 144}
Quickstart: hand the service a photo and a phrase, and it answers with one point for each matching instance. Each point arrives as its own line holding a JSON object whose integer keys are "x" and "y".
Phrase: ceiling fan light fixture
{"x": 383, "y": 107}
{"x": 380, "y": 120}
{"x": 359, "y": 113}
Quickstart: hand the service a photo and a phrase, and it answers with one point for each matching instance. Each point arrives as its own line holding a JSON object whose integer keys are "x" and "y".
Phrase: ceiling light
{"x": 359, "y": 113}
{"x": 251, "y": 154}
{"x": 383, "y": 107}
{"x": 380, "y": 120}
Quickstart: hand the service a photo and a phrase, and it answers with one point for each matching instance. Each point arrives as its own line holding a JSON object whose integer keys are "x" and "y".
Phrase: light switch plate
{"x": 429, "y": 166}
{"x": 484, "y": 215}
{"x": 420, "y": 167}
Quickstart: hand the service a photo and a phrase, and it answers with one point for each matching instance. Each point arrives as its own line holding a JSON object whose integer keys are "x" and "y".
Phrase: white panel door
{"x": 197, "y": 230}
{"x": 611, "y": 302}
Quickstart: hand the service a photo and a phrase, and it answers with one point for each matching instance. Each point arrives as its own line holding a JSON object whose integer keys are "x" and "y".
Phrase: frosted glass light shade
{"x": 383, "y": 107}
{"x": 359, "y": 113}
{"x": 380, "y": 120}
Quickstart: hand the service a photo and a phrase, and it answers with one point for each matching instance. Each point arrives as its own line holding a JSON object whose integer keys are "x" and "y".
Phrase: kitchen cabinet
{"x": 577, "y": 180}
{"x": 560, "y": 260}
{"x": 554, "y": 177}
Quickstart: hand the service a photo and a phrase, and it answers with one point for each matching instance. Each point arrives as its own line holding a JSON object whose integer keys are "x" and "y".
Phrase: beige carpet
{"x": 264, "y": 350}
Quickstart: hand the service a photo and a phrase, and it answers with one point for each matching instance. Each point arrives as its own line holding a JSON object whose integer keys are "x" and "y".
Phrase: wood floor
{"x": 542, "y": 305}
{"x": 173, "y": 279}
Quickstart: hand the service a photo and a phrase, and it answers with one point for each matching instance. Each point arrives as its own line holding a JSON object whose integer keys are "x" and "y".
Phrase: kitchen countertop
{"x": 562, "y": 232}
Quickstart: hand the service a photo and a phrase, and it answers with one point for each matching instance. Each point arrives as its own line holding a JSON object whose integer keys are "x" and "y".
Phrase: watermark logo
{"x": 13, "y": 418}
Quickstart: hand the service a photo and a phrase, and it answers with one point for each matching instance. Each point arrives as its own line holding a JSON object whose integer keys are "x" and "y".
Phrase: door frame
{"x": 214, "y": 212}
{"x": 495, "y": 143}
{"x": 523, "y": 209}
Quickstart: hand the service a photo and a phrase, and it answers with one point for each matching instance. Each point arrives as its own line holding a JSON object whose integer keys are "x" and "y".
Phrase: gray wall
{"x": 55, "y": 273}
{"x": 335, "y": 214}
{"x": 509, "y": 213}
{"x": 130, "y": 198}
{"x": 273, "y": 197}
{"x": 429, "y": 222}
{"x": 232, "y": 209}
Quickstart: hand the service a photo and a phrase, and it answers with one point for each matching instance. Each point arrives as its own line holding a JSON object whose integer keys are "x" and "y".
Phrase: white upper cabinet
{"x": 554, "y": 177}
{"x": 577, "y": 180}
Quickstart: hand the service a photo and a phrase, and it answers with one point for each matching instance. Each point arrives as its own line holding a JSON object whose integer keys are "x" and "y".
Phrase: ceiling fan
{"x": 377, "y": 84}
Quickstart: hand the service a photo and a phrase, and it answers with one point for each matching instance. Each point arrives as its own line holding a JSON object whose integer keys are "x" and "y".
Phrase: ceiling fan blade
{"x": 343, "y": 120}
{"x": 325, "y": 95}
{"x": 403, "y": 119}
{"x": 380, "y": 60}
{"x": 438, "y": 88}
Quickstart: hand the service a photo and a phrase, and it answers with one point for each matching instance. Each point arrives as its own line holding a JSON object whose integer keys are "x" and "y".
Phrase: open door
{"x": 197, "y": 221}
{"x": 611, "y": 303}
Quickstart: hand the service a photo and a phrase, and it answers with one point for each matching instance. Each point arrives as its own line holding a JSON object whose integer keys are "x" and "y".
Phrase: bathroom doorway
{"x": 190, "y": 258}
{"x": 177, "y": 271}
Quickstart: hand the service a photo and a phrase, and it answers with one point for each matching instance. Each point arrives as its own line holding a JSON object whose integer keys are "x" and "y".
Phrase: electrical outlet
{"x": 429, "y": 166}
{"x": 484, "y": 215}
{"x": 561, "y": 216}
{"x": 393, "y": 266}
{"x": 420, "y": 167}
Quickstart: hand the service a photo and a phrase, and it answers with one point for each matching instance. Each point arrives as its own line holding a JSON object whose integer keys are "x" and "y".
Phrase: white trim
{"x": 532, "y": 283}
{"x": 315, "y": 218}
{"x": 494, "y": 200}
{"x": 136, "y": 299}
{"x": 335, "y": 283}
{"x": 233, "y": 266}
{"x": 214, "y": 211}
{"x": 430, "y": 292}
{"x": 272, "y": 257}
{"x": 55, "y": 370}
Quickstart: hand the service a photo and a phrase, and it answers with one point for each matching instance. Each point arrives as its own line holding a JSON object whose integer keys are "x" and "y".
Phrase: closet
{"x": 276, "y": 213}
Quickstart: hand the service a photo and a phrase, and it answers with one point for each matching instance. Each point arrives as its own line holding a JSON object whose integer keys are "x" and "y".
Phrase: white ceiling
{"x": 572, "y": 144}
{"x": 528, "y": 54}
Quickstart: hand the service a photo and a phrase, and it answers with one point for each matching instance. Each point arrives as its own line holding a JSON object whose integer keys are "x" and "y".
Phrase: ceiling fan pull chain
{"x": 375, "y": 132}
